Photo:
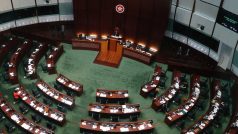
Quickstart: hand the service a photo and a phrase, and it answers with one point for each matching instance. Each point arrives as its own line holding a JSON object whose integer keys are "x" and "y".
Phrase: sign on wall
{"x": 228, "y": 20}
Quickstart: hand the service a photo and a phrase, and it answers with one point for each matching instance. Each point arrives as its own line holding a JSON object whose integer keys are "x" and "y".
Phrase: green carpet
{"x": 78, "y": 65}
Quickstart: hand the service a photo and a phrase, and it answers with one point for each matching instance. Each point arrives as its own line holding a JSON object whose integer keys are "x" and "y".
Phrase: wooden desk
{"x": 205, "y": 120}
{"x": 52, "y": 114}
{"x": 108, "y": 110}
{"x": 53, "y": 58}
{"x": 24, "y": 123}
{"x": 7, "y": 47}
{"x": 55, "y": 94}
{"x": 3, "y": 131}
{"x": 151, "y": 86}
{"x": 69, "y": 84}
{"x": 187, "y": 106}
{"x": 34, "y": 59}
{"x": 129, "y": 52}
{"x": 112, "y": 96}
{"x": 141, "y": 127}
{"x": 86, "y": 44}
{"x": 15, "y": 60}
{"x": 168, "y": 96}
{"x": 232, "y": 127}
{"x": 141, "y": 56}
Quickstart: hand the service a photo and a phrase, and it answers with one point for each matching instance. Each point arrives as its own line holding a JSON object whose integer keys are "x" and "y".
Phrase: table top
{"x": 45, "y": 110}
{"x": 15, "y": 59}
{"x": 184, "y": 108}
{"x": 75, "y": 86}
{"x": 112, "y": 94}
{"x": 205, "y": 120}
{"x": 54, "y": 55}
{"x": 148, "y": 87}
{"x": 232, "y": 128}
{"x": 55, "y": 94}
{"x": 8, "y": 45}
{"x": 116, "y": 127}
{"x": 170, "y": 93}
{"x": 34, "y": 59}
{"x": 135, "y": 48}
{"x": 114, "y": 108}
{"x": 22, "y": 121}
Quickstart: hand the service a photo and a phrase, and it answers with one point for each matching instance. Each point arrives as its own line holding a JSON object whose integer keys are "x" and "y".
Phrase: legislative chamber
{"x": 119, "y": 66}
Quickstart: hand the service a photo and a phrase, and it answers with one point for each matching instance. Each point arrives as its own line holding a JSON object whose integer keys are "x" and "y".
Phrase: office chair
{"x": 208, "y": 131}
{"x": 2, "y": 117}
{"x": 5, "y": 76}
{"x": 47, "y": 102}
{"x": 177, "y": 100}
{"x": 114, "y": 118}
{"x": 133, "y": 118}
{"x": 50, "y": 126}
{"x": 96, "y": 116}
{"x": 36, "y": 118}
{"x": 122, "y": 102}
{"x": 57, "y": 86}
{"x": 191, "y": 115}
{"x": 61, "y": 108}
{"x": 162, "y": 83}
{"x": 44, "y": 68}
{"x": 36, "y": 93}
{"x": 165, "y": 108}
{"x": 23, "y": 109}
{"x": 180, "y": 125}
{"x": 217, "y": 124}
{"x": 10, "y": 127}
{"x": 69, "y": 93}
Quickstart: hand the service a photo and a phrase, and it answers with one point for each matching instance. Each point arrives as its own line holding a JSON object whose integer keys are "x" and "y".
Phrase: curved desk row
{"x": 33, "y": 60}
{"x": 233, "y": 125}
{"x": 6, "y": 47}
{"x": 91, "y": 126}
{"x": 108, "y": 110}
{"x": 53, "y": 58}
{"x": 204, "y": 121}
{"x": 69, "y": 84}
{"x": 15, "y": 60}
{"x": 112, "y": 96}
{"x": 151, "y": 86}
{"x": 129, "y": 52}
{"x": 55, "y": 94}
{"x": 166, "y": 97}
{"x": 187, "y": 106}
{"x": 45, "y": 110}
{"x": 26, "y": 124}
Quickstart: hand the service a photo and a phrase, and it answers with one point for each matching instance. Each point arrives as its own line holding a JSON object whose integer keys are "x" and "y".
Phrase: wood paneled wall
{"x": 143, "y": 20}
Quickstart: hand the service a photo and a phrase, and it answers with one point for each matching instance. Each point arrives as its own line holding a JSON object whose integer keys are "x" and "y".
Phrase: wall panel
{"x": 143, "y": 20}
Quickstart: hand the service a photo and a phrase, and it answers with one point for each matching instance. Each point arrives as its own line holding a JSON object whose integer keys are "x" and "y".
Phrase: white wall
{"x": 26, "y": 21}
{"x": 5, "y": 5}
{"x": 214, "y": 2}
{"x": 43, "y": 2}
{"x": 183, "y": 16}
{"x": 231, "y": 5}
{"x": 188, "y": 4}
{"x": 48, "y": 18}
{"x": 19, "y": 4}
{"x": 225, "y": 35}
{"x": 197, "y": 13}
{"x": 6, "y": 26}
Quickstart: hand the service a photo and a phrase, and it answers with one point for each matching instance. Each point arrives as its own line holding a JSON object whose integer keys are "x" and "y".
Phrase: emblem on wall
{"x": 120, "y": 8}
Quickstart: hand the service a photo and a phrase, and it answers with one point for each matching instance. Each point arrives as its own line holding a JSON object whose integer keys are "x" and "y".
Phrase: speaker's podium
{"x": 110, "y": 53}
